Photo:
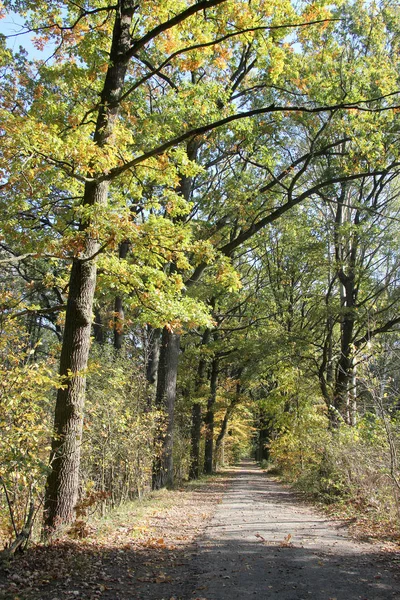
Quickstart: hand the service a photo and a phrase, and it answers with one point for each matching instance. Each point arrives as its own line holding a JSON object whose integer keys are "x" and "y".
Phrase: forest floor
{"x": 240, "y": 535}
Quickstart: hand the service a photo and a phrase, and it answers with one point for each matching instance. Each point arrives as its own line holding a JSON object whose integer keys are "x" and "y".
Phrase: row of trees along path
{"x": 223, "y": 196}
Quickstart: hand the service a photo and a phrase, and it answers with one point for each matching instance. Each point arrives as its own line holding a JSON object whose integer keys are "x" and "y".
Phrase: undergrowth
{"x": 350, "y": 472}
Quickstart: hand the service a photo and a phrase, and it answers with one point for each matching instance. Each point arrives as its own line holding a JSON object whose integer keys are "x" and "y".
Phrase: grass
{"x": 136, "y": 514}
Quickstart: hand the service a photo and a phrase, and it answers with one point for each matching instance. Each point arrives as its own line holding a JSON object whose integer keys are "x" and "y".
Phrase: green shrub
{"x": 119, "y": 426}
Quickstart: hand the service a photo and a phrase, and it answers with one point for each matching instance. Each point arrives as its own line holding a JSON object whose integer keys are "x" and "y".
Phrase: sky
{"x": 13, "y": 24}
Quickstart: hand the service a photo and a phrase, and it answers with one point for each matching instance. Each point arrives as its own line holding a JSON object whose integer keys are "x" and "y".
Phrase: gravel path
{"x": 264, "y": 543}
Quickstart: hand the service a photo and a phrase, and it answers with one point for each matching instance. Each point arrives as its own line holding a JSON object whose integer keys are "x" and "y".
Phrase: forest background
{"x": 199, "y": 251}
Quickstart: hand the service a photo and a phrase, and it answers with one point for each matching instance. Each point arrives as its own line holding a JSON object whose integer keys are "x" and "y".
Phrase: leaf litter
{"x": 142, "y": 553}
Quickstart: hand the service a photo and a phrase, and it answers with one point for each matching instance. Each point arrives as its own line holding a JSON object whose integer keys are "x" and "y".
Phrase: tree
{"x": 108, "y": 125}
{"x": 62, "y": 485}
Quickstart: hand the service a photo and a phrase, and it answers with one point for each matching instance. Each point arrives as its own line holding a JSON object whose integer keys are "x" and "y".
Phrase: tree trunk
{"x": 344, "y": 367}
{"x": 224, "y": 427}
{"x": 163, "y": 472}
{"x": 152, "y": 357}
{"x": 228, "y": 413}
{"x": 195, "y": 436}
{"x": 265, "y": 429}
{"x": 168, "y": 368}
{"x": 209, "y": 419}
{"x": 153, "y": 354}
{"x": 62, "y": 482}
{"x": 346, "y": 252}
{"x": 98, "y": 327}
{"x": 353, "y": 396}
{"x": 118, "y": 306}
{"x": 194, "y": 469}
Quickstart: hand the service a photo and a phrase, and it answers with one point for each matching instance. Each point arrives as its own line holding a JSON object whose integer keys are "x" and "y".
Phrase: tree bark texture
{"x": 209, "y": 418}
{"x": 63, "y": 480}
{"x": 163, "y": 468}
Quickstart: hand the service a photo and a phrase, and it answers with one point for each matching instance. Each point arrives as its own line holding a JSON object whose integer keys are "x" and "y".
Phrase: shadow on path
{"x": 262, "y": 542}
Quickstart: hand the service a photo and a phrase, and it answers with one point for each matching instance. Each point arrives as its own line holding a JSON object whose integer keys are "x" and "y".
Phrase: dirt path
{"x": 238, "y": 536}
{"x": 263, "y": 543}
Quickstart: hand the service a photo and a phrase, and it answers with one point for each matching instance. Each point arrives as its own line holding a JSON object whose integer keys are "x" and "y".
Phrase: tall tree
{"x": 105, "y": 124}
{"x": 63, "y": 480}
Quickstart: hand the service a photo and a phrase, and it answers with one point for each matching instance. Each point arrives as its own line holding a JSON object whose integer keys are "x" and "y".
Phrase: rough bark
{"x": 62, "y": 482}
{"x": 163, "y": 469}
{"x": 209, "y": 418}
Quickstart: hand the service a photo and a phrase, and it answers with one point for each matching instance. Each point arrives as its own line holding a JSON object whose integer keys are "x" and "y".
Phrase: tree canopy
{"x": 199, "y": 241}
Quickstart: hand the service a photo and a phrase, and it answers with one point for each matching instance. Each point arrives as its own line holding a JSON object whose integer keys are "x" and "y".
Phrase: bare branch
{"x": 16, "y": 259}
{"x": 84, "y": 13}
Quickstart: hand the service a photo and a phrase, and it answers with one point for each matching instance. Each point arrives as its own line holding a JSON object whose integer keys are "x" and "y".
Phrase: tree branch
{"x": 179, "y": 18}
{"x": 383, "y": 329}
{"x": 162, "y": 148}
{"x": 16, "y": 259}
{"x": 157, "y": 70}
{"x": 228, "y": 248}
{"x": 39, "y": 311}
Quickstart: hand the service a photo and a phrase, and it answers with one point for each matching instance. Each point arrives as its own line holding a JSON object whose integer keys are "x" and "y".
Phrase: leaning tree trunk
{"x": 209, "y": 419}
{"x": 163, "y": 468}
{"x": 224, "y": 427}
{"x": 62, "y": 482}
